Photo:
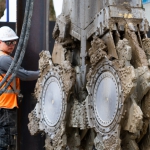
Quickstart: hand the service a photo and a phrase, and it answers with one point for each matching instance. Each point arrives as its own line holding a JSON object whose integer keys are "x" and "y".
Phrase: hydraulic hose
{"x": 20, "y": 51}
{"x": 24, "y": 46}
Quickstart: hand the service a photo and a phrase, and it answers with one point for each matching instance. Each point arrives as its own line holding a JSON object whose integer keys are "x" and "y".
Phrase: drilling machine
{"x": 93, "y": 91}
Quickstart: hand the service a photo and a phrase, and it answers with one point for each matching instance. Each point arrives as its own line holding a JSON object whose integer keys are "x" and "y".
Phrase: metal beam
{"x": 38, "y": 41}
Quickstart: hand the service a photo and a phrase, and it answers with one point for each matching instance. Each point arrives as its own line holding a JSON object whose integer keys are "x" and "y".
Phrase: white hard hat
{"x": 7, "y": 34}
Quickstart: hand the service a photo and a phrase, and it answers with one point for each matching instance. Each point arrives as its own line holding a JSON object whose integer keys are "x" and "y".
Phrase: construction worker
{"x": 8, "y": 100}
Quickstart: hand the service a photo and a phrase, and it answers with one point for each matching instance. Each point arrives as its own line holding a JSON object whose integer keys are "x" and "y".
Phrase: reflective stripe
{"x": 13, "y": 88}
{"x": 9, "y": 91}
{"x": 12, "y": 91}
{"x": 17, "y": 91}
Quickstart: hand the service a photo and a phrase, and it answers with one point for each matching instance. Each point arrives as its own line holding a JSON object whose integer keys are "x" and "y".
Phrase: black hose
{"x": 21, "y": 46}
{"x": 24, "y": 44}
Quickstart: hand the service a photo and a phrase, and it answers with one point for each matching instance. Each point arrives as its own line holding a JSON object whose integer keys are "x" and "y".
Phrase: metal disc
{"x": 52, "y": 101}
{"x": 106, "y": 98}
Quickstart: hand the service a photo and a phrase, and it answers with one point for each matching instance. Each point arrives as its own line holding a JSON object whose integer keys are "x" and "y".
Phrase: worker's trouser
{"x": 8, "y": 129}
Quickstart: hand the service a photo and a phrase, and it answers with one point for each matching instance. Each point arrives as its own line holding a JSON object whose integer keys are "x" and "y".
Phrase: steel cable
{"x": 20, "y": 51}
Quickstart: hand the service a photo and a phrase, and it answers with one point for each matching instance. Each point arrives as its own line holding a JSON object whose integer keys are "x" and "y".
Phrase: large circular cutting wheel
{"x": 52, "y": 101}
{"x": 105, "y": 98}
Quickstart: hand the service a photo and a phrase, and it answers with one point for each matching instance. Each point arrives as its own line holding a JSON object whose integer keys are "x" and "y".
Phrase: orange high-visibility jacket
{"x": 9, "y": 98}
